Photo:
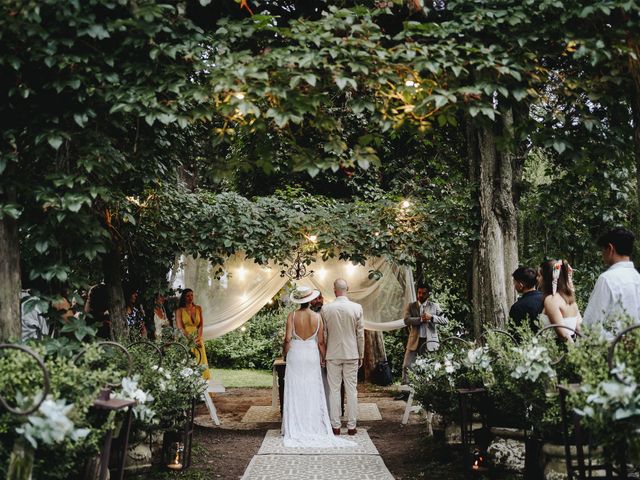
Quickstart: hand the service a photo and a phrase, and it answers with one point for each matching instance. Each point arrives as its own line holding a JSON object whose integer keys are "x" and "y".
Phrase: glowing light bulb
{"x": 351, "y": 269}
{"x": 321, "y": 273}
{"x": 239, "y": 95}
{"x": 410, "y": 83}
{"x": 406, "y": 204}
{"x": 242, "y": 272}
{"x": 243, "y": 328}
{"x": 312, "y": 238}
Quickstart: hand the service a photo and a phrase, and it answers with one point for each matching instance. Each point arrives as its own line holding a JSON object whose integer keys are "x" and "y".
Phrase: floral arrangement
{"x": 51, "y": 425}
{"x": 130, "y": 390}
{"x": 609, "y": 401}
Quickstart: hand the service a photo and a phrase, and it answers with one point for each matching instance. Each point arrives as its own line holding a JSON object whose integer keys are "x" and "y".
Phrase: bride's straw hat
{"x": 303, "y": 295}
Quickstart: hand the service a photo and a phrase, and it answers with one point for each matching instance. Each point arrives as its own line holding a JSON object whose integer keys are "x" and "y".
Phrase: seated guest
{"x": 529, "y": 305}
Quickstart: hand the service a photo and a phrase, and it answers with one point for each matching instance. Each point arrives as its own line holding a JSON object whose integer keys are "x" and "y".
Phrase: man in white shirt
{"x": 617, "y": 290}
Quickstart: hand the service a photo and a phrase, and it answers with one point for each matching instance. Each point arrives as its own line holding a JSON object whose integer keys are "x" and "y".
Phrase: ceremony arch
{"x": 244, "y": 287}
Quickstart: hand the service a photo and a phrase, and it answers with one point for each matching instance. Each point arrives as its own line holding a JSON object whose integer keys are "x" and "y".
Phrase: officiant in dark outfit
{"x": 529, "y": 305}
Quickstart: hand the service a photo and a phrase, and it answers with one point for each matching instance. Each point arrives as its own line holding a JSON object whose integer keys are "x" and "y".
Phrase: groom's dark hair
{"x": 621, "y": 239}
{"x": 526, "y": 276}
{"x": 423, "y": 285}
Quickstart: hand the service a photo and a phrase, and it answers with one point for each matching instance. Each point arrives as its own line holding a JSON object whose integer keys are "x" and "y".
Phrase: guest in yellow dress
{"x": 189, "y": 320}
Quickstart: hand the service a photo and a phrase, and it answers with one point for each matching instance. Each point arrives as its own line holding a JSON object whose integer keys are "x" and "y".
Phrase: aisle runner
{"x": 274, "y": 461}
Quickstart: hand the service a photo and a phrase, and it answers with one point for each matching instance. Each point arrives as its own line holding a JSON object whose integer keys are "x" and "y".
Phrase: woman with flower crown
{"x": 559, "y": 300}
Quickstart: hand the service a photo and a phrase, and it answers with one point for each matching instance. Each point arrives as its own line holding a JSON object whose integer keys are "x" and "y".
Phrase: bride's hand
{"x": 323, "y": 363}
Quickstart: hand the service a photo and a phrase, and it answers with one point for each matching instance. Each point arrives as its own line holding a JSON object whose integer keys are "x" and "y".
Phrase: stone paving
{"x": 276, "y": 462}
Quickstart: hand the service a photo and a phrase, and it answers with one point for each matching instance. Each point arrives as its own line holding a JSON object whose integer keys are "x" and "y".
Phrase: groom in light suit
{"x": 344, "y": 334}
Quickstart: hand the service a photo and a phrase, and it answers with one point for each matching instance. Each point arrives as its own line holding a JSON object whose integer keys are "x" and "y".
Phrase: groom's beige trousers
{"x": 337, "y": 372}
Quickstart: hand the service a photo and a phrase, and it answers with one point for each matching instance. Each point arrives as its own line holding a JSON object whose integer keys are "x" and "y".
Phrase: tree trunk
{"x": 113, "y": 279}
{"x": 496, "y": 254}
{"x": 9, "y": 280}
{"x": 373, "y": 352}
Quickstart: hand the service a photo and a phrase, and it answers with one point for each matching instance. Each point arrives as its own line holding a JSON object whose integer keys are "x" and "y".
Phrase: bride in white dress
{"x": 560, "y": 307}
{"x": 305, "y": 419}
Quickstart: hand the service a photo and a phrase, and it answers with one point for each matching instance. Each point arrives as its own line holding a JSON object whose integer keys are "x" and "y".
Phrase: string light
{"x": 241, "y": 273}
{"x": 243, "y": 328}
{"x": 406, "y": 204}
{"x": 312, "y": 238}
{"x": 411, "y": 83}
{"x": 239, "y": 95}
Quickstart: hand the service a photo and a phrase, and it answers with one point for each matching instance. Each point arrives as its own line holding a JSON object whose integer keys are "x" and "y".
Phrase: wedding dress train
{"x": 305, "y": 419}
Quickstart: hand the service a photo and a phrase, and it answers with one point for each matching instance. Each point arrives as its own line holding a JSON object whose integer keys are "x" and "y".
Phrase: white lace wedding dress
{"x": 305, "y": 419}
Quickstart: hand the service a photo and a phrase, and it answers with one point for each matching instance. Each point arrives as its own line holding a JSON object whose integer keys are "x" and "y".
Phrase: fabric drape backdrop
{"x": 231, "y": 300}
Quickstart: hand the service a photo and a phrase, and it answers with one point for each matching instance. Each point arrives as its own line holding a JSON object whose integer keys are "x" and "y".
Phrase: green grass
{"x": 244, "y": 378}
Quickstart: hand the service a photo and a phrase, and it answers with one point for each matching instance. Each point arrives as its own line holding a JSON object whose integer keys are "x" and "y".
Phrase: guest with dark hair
{"x": 559, "y": 301}
{"x": 421, "y": 317}
{"x": 529, "y": 305}
{"x": 160, "y": 319}
{"x": 97, "y": 308}
{"x": 617, "y": 290}
{"x": 189, "y": 320}
{"x": 134, "y": 313}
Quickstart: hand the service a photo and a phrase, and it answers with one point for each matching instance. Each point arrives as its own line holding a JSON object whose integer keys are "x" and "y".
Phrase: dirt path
{"x": 225, "y": 451}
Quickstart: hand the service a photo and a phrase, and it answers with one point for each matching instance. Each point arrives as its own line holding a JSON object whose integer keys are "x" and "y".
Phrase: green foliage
{"x": 69, "y": 381}
{"x": 256, "y": 347}
{"x": 609, "y": 409}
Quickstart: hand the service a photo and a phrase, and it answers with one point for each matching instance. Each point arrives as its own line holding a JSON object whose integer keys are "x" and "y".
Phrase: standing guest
{"x": 617, "y": 290}
{"x": 160, "y": 319}
{"x": 134, "y": 313}
{"x": 344, "y": 354}
{"x": 529, "y": 305}
{"x": 421, "y": 317}
{"x": 559, "y": 301}
{"x": 97, "y": 308}
{"x": 189, "y": 320}
{"x": 317, "y": 303}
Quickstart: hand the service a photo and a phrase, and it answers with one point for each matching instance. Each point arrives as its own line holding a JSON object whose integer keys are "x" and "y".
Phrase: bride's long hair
{"x": 564, "y": 284}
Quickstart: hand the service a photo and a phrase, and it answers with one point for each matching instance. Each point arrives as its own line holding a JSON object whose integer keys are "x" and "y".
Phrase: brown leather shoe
{"x": 336, "y": 431}
{"x": 352, "y": 431}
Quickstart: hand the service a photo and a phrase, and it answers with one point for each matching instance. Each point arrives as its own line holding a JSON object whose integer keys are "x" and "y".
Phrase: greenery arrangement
{"x": 65, "y": 427}
{"x": 521, "y": 380}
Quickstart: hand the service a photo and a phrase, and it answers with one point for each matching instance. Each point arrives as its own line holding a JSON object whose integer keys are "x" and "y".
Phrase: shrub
{"x": 257, "y": 347}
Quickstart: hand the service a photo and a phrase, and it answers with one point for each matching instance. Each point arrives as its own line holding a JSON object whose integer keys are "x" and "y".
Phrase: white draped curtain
{"x": 245, "y": 287}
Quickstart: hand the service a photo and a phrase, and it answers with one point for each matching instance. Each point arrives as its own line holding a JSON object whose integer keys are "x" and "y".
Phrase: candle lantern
{"x": 473, "y": 401}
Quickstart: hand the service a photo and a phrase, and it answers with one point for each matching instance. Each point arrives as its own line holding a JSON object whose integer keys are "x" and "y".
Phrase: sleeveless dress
{"x": 190, "y": 326}
{"x": 159, "y": 322}
{"x": 570, "y": 322}
{"x": 305, "y": 418}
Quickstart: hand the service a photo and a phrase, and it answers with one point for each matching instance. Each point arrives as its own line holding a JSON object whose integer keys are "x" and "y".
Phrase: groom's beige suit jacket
{"x": 344, "y": 329}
